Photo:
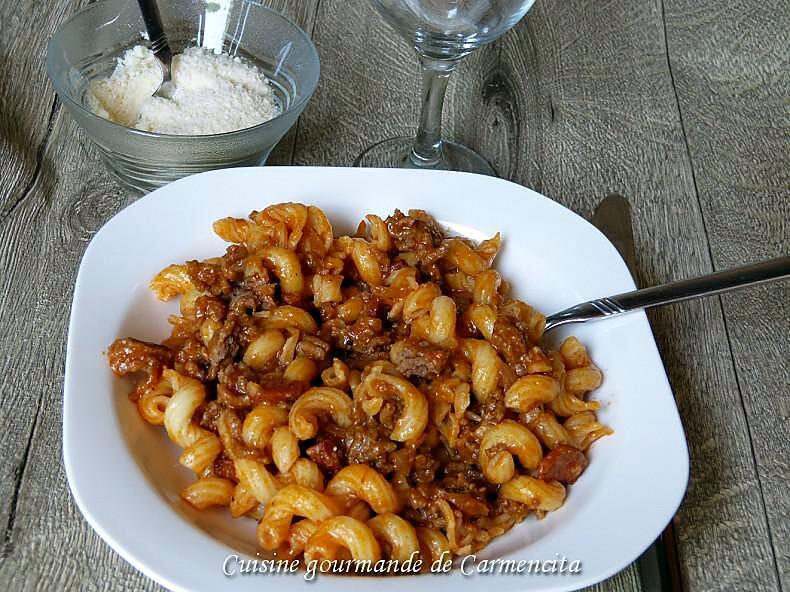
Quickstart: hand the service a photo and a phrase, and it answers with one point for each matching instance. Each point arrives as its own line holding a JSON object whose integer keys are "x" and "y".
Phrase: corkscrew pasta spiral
{"x": 376, "y": 395}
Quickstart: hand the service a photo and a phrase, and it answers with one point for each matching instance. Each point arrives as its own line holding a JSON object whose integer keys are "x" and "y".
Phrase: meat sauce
{"x": 210, "y": 337}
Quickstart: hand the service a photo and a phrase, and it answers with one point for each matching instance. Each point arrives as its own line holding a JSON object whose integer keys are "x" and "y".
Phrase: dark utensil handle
{"x": 657, "y": 572}
{"x": 154, "y": 28}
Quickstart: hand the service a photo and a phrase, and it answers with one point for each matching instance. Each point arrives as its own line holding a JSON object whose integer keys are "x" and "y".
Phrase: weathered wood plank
{"x": 26, "y": 111}
{"x": 576, "y": 102}
{"x": 736, "y": 115}
{"x": 45, "y": 236}
{"x": 610, "y": 123}
{"x": 484, "y": 110}
{"x": 26, "y": 116}
{"x": 303, "y": 13}
{"x": 55, "y": 195}
{"x": 371, "y": 92}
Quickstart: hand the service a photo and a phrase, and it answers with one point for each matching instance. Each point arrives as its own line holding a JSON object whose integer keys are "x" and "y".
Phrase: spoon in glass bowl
{"x": 159, "y": 44}
{"x": 705, "y": 285}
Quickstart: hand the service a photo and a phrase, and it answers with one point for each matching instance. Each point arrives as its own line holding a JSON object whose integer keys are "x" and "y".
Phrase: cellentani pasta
{"x": 375, "y": 396}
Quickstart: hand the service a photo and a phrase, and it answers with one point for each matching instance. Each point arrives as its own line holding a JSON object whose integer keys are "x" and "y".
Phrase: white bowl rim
{"x": 111, "y": 534}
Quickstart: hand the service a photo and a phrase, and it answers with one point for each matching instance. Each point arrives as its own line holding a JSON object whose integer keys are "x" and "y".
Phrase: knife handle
{"x": 657, "y": 566}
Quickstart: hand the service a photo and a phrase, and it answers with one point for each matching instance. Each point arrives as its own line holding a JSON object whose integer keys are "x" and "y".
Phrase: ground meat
{"x": 233, "y": 262}
{"x": 275, "y": 390}
{"x": 236, "y": 377}
{"x": 492, "y": 410}
{"x": 465, "y": 476}
{"x": 467, "y": 504}
{"x": 510, "y": 344}
{"x": 192, "y": 358}
{"x": 363, "y": 339}
{"x": 418, "y": 358}
{"x": 131, "y": 355}
{"x": 419, "y": 234}
{"x": 209, "y": 307}
{"x": 223, "y": 344}
{"x": 208, "y": 277}
{"x": 262, "y": 290}
{"x": 420, "y": 507}
{"x": 224, "y": 467}
{"x": 424, "y": 469}
{"x": 435, "y": 468}
{"x": 242, "y": 302}
{"x": 422, "y": 498}
{"x": 564, "y": 464}
{"x": 367, "y": 442}
{"x": 127, "y": 356}
{"x": 211, "y": 412}
{"x": 365, "y": 335}
{"x": 415, "y": 230}
{"x": 326, "y": 453}
{"x": 311, "y": 347}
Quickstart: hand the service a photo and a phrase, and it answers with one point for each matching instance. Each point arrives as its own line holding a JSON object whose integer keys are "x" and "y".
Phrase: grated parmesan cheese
{"x": 210, "y": 94}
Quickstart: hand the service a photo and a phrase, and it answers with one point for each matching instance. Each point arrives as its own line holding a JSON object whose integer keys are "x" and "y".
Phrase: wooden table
{"x": 680, "y": 105}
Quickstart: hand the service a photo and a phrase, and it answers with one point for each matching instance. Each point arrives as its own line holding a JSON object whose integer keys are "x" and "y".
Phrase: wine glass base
{"x": 396, "y": 153}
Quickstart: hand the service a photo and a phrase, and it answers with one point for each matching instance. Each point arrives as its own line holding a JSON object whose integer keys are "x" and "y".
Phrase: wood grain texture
{"x": 688, "y": 120}
{"x": 26, "y": 116}
{"x": 736, "y": 115}
{"x": 55, "y": 195}
{"x": 487, "y": 107}
{"x": 576, "y": 102}
{"x": 613, "y": 124}
{"x": 45, "y": 238}
{"x": 26, "y": 112}
{"x": 371, "y": 91}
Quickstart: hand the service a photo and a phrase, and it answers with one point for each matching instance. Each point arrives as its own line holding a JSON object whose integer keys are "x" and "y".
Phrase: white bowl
{"x": 124, "y": 473}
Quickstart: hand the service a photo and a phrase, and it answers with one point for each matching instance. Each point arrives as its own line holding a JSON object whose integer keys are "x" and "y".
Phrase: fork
{"x": 159, "y": 44}
{"x": 705, "y": 285}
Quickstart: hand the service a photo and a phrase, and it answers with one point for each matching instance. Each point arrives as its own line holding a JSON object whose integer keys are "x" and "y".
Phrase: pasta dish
{"x": 373, "y": 396}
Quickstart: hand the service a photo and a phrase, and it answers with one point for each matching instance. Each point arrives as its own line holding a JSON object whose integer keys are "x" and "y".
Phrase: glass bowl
{"x": 87, "y": 45}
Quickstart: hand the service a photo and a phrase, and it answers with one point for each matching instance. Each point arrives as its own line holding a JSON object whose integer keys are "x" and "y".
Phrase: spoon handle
{"x": 156, "y": 33}
{"x": 706, "y": 285}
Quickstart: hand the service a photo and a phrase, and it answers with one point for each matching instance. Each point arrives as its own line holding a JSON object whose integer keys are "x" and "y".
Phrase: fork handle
{"x": 706, "y": 285}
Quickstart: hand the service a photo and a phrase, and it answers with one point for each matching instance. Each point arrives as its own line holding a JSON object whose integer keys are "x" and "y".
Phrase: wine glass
{"x": 442, "y": 32}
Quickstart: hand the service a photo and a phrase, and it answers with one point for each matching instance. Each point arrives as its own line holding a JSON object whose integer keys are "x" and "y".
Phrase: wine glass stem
{"x": 427, "y": 149}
